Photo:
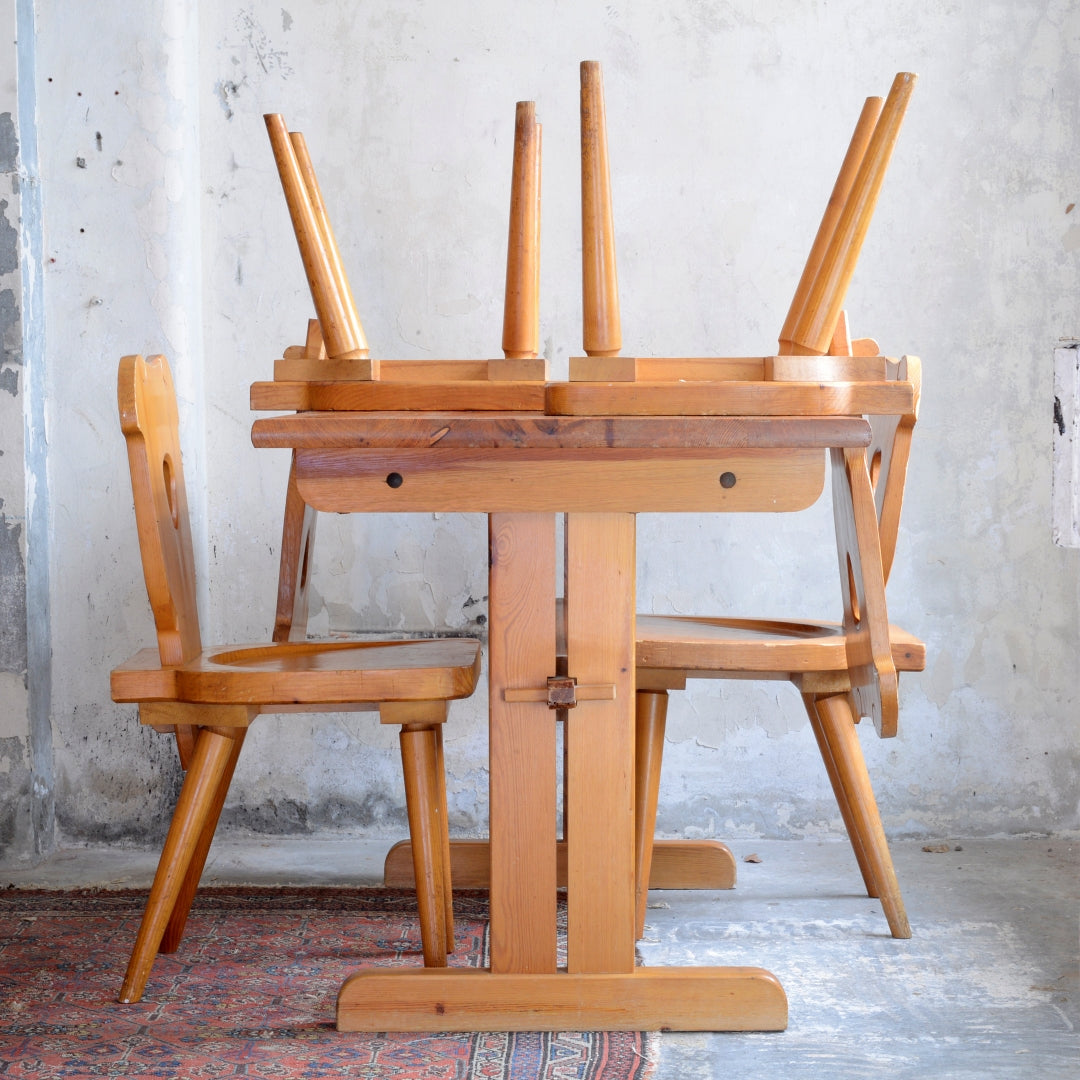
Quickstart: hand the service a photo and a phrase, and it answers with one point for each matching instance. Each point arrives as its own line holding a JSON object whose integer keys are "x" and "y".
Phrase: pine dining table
{"x": 595, "y": 454}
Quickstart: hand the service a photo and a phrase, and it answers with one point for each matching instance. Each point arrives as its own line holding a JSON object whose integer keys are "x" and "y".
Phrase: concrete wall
{"x": 15, "y": 778}
{"x": 165, "y": 230}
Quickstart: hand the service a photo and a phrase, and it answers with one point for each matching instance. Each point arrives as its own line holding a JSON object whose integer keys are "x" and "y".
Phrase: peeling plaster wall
{"x": 166, "y": 231}
{"x": 119, "y": 147}
{"x": 15, "y": 771}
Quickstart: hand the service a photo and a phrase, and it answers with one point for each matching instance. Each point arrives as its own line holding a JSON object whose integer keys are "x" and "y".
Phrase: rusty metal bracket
{"x": 561, "y": 692}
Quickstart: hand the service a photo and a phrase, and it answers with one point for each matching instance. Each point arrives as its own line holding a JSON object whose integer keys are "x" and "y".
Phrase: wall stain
{"x": 287, "y": 817}
{"x": 10, "y": 340}
{"x": 13, "y": 654}
{"x": 15, "y": 784}
{"x": 9, "y": 144}
{"x": 227, "y": 91}
{"x": 253, "y": 42}
{"x": 9, "y": 242}
{"x": 141, "y": 798}
{"x": 257, "y": 39}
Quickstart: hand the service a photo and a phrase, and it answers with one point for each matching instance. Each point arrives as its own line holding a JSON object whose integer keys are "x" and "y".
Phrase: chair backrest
{"x": 297, "y": 542}
{"x": 148, "y": 419}
{"x": 887, "y": 457}
{"x": 871, "y": 668}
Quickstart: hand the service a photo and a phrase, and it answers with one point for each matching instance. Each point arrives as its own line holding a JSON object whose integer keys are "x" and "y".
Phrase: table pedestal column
{"x": 600, "y": 989}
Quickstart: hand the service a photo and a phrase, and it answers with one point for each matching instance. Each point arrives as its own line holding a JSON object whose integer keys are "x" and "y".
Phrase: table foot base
{"x": 677, "y": 864}
{"x": 647, "y": 999}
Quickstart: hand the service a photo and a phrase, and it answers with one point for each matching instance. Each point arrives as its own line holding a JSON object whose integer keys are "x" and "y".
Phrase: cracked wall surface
{"x": 165, "y": 230}
{"x": 15, "y": 773}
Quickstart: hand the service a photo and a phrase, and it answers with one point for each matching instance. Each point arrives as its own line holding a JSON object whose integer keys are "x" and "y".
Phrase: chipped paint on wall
{"x": 9, "y": 241}
{"x": 254, "y": 56}
{"x": 10, "y": 341}
{"x": 10, "y": 321}
{"x": 12, "y": 596}
{"x": 175, "y": 237}
{"x": 39, "y": 833}
{"x": 16, "y": 785}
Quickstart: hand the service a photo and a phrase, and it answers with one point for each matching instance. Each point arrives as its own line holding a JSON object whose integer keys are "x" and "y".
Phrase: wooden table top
{"x": 537, "y": 430}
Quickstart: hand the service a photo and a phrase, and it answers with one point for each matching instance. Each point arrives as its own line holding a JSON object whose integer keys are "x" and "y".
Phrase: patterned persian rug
{"x": 251, "y": 992}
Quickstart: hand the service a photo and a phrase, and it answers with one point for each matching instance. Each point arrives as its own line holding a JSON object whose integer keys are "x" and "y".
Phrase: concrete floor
{"x": 986, "y": 988}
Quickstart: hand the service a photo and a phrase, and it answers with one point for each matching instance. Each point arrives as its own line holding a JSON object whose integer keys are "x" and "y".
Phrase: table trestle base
{"x": 677, "y": 864}
{"x": 646, "y": 999}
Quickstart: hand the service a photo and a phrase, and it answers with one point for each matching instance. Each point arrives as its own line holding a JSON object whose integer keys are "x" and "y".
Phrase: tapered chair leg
{"x": 842, "y": 801}
{"x": 444, "y": 828}
{"x": 213, "y": 749}
{"x": 837, "y": 730}
{"x": 174, "y": 929}
{"x": 650, "y": 717}
{"x": 419, "y": 757}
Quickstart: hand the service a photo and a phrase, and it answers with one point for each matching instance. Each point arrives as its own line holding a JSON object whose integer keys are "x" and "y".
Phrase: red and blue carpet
{"x": 251, "y": 993}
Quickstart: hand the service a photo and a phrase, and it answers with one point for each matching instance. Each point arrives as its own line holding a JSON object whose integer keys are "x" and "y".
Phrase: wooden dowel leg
{"x": 860, "y": 139}
{"x": 174, "y": 929}
{"x": 521, "y": 311}
{"x": 650, "y": 722}
{"x": 337, "y": 268}
{"x": 333, "y": 309}
{"x": 839, "y": 732}
{"x": 814, "y": 326}
{"x": 602, "y": 327}
{"x": 185, "y": 743}
{"x": 418, "y": 762}
{"x": 212, "y": 751}
{"x": 850, "y": 823}
{"x": 444, "y": 828}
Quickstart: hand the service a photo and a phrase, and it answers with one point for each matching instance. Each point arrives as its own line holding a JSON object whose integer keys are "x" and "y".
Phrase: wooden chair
{"x": 815, "y": 657}
{"x": 329, "y": 371}
{"x": 209, "y": 697}
{"x": 844, "y": 670}
{"x": 334, "y": 368}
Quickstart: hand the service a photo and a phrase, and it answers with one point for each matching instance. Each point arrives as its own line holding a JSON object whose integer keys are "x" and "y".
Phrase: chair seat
{"x": 718, "y": 647}
{"x": 316, "y": 672}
